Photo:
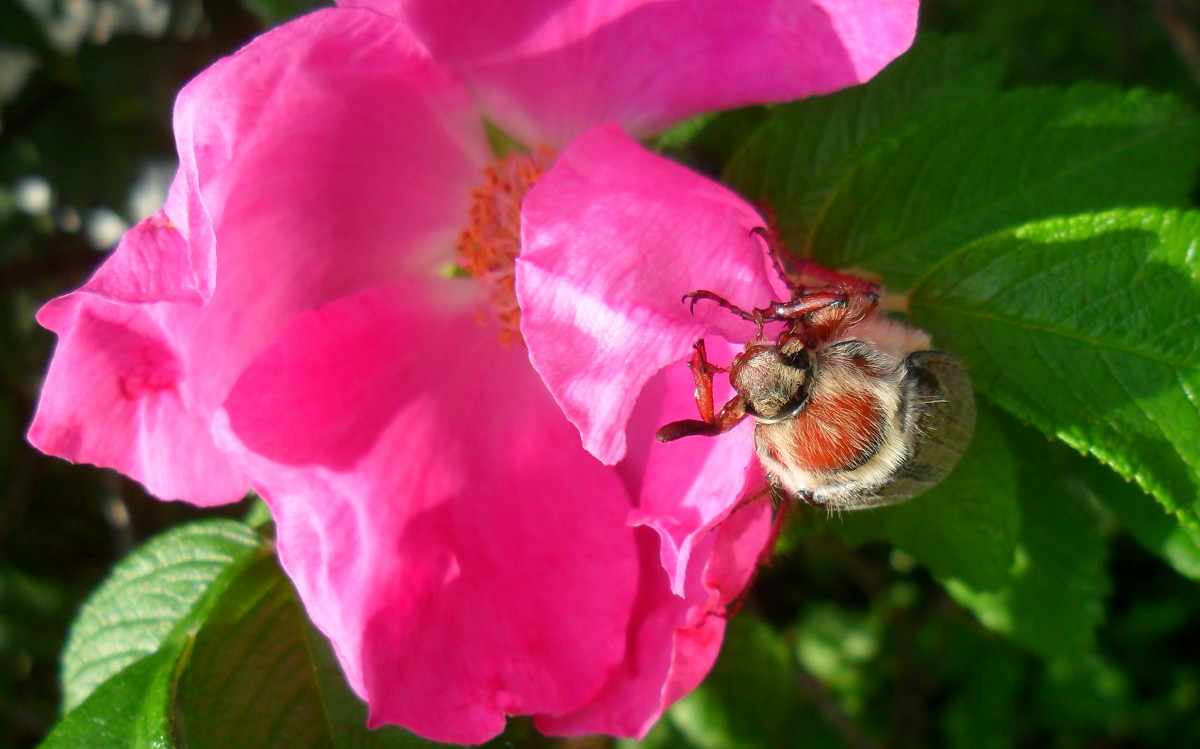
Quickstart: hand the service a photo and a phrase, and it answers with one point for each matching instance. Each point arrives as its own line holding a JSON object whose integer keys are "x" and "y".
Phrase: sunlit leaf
{"x": 130, "y": 710}
{"x": 149, "y": 592}
{"x": 1054, "y": 598}
{"x": 795, "y": 163}
{"x": 1085, "y": 327}
{"x": 259, "y": 675}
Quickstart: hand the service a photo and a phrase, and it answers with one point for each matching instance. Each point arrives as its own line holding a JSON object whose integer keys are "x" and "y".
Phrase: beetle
{"x": 852, "y": 410}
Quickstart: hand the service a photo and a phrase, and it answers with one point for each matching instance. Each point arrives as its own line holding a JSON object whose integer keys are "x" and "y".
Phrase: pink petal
{"x": 156, "y": 263}
{"x": 328, "y": 155}
{"x": 549, "y": 69}
{"x": 464, "y": 557}
{"x": 612, "y": 237}
{"x": 685, "y": 489}
{"x": 115, "y": 395}
{"x": 654, "y": 677}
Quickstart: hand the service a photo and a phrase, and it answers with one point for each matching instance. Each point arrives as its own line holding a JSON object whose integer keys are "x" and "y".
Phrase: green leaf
{"x": 146, "y": 595}
{"x": 1086, "y": 694}
{"x": 965, "y": 528}
{"x": 708, "y": 141}
{"x": 1085, "y": 327}
{"x": 204, "y": 643}
{"x": 1005, "y": 161}
{"x": 1156, "y": 530}
{"x": 258, "y": 515}
{"x": 841, "y": 646}
{"x": 1072, "y": 40}
{"x": 258, "y": 675}
{"x": 982, "y": 711}
{"x": 275, "y": 12}
{"x": 797, "y": 159}
{"x": 898, "y": 203}
{"x": 751, "y": 698}
{"x": 248, "y": 680}
{"x": 127, "y": 711}
{"x": 662, "y": 735}
{"x": 1054, "y": 599}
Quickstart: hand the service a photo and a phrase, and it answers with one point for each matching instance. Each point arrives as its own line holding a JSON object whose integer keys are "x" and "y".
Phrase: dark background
{"x": 86, "y": 91}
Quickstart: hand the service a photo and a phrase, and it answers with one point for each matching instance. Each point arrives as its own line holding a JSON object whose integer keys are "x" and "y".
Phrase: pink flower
{"x": 655, "y": 231}
{"x": 287, "y": 323}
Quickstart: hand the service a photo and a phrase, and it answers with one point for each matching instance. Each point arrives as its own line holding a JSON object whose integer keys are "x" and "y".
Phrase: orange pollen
{"x": 488, "y": 247}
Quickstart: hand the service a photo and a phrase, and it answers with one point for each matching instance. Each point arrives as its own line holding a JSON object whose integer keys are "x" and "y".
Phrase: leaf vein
{"x": 1106, "y": 343}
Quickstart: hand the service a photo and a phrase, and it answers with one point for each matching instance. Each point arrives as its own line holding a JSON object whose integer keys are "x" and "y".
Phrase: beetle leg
{"x": 702, "y": 373}
{"x": 807, "y": 268}
{"x": 822, "y": 316}
{"x": 818, "y": 313}
{"x": 804, "y": 305}
{"x": 731, "y": 414}
{"x": 778, "y": 523}
{"x": 828, "y": 323}
{"x": 699, "y": 294}
{"x": 778, "y": 261}
{"x": 789, "y": 267}
{"x": 710, "y": 424}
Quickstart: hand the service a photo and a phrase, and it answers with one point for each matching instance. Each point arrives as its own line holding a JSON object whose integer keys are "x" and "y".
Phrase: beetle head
{"x": 772, "y": 380}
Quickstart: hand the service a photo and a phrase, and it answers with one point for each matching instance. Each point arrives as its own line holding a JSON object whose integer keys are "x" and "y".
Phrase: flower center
{"x": 488, "y": 247}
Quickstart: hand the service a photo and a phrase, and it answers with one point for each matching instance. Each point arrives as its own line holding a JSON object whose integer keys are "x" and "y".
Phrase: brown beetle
{"x": 851, "y": 409}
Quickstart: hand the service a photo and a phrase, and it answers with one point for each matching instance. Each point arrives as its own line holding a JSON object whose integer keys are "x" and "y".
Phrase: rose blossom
{"x": 287, "y": 323}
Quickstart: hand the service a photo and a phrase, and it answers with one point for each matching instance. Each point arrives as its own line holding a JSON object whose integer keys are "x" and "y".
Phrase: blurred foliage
{"x": 86, "y": 92}
{"x": 844, "y": 640}
{"x": 1138, "y": 43}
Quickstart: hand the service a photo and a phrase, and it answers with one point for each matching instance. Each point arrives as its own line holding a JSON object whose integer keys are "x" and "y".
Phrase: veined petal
{"x": 653, "y": 677}
{"x": 116, "y": 395}
{"x": 328, "y": 155}
{"x": 464, "y": 558}
{"x": 549, "y": 69}
{"x": 612, "y": 237}
{"x": 686, "y": 488}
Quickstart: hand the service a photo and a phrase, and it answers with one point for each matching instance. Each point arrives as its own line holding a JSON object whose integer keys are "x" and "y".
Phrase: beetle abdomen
{"x": 918, "y": 439}
{"x": 832, "y": 433}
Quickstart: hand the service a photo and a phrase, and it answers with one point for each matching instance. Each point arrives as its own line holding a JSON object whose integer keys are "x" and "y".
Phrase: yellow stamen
{"x": 488, "y": 247}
